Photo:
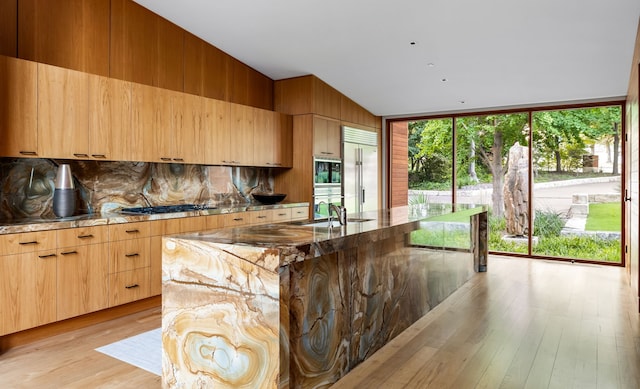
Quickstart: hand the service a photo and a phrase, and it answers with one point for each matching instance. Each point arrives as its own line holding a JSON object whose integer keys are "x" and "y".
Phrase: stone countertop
{"x": 274, "y": 245}
{"x": 96, "y": 219}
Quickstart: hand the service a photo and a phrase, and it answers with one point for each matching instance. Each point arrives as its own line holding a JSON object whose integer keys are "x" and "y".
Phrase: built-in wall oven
{"x": 327, "y": 187}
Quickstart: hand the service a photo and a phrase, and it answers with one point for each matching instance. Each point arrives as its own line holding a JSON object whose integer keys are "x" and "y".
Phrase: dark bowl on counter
{"x": 269, "y": 198}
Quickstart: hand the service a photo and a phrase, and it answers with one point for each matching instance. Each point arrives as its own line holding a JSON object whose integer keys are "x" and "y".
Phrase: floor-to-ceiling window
{"x": 550, "y": 178}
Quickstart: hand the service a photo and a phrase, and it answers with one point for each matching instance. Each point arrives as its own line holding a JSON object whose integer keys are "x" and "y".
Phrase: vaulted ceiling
{"x": 407, "y": 57}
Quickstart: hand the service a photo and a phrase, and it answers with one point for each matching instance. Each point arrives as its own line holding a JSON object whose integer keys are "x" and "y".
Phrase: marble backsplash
{"x": 28, "y": 185}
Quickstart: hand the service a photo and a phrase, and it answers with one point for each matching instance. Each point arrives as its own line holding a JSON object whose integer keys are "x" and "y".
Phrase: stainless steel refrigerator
{"x": 360, "y": 179}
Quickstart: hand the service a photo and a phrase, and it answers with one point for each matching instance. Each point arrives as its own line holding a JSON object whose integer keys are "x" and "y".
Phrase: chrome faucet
{"x": 341, "y": 212}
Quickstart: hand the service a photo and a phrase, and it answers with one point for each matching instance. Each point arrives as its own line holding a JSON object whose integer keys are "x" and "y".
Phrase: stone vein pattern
{"x": 101, "y": 186}
{"x": 336, "y": 296}
{"x": 220, "y": 317}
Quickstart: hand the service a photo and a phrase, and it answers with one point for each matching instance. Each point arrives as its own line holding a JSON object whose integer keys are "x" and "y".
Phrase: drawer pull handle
{"x": 238, "y": 219}
{"x": 99, "y": 156}
{"x": 132, "y": 231}
{"x": 261, "y": 217}
{"x": 132, "y": 286}
{"x": 179, "y": 159}
{"x": 69, "y": 252}
{"x": 28, "y": 152}
{"x": 132, "y": 255}
{"x": 282, "y": 214}
{"x": 31, "y": 242}
{"x": 46, "y": 256}
{"x": 80, "y": 155}
{"x": 85, "y": 236}
{"x": 166, "y": 159}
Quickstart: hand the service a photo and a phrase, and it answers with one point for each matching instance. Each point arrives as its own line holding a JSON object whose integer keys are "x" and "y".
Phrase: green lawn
{"x": 604, "y": 217}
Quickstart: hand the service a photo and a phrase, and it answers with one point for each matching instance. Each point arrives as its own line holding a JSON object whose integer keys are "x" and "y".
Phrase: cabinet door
{"x": 264, "y": 140}
{"x": 109, "y": 118}
{"x": 150, "y": 115}
{"x": 241, "y": 140}
{"x": 217, "y": 131}
{"x": 300, "y": 213}
{"x": 63, "y": 113}
{"x": 83, "y": 280}
{"x": 326, "y": 138}
{"x": 27, "y": 290}
{"x": 273, "y": 138}
{"x": 18, "y": 111}
{"x": 185, "y": 135}
{"x": 236, "y": 219}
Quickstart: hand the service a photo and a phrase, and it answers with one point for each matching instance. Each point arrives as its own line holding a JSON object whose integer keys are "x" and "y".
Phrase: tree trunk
{"x": 556, "y": 153}
{"x": 472, "y": 162}
{"x": 616, "y": 145}
{"x": 607, "y": 144}
{"x": 497, "y": 172}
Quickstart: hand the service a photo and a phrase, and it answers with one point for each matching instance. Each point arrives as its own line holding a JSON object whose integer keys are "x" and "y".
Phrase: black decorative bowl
{"x": 269, "y": 198}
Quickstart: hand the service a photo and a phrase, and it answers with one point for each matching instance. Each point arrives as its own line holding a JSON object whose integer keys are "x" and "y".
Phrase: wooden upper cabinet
{"x": 307, "y": 94}
{"x": 205, "y": 68}
{"x": 240, "y": 149}
{"x": 182, "y": 140}
{"x": 134, "y": 43}
{"x": 326, "y": 99}
{"x": 353, "y": 113}
{"x": 170, "y": 56}
{"x": 272, "y": 139}
{"x": 73, "y": 34}
{"x": 109, "y": 118}
{"x": 326, "y": 138}
{"x": 216, "y": 131}
{"x": 9, "y": 28}
{"x": 150, "y": 114}
{"x": 18, "y": 111}
{"x": 63, "y": 113}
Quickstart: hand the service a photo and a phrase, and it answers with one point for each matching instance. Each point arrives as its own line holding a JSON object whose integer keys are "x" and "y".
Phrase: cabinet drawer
{"x": 260, "y": 217}
{"x": 236, "y": 219}
{"x": 129, "y": 231}
{"x": 82, "y": 236}
{"x": 299, "y": 213}
{"x": 27, "y": 242}
{"x": 213, "y": 222}
{"x": 128, "y": 286}
{"x": 281, "y": 215}
{"x": 177, "y": 226}
{"x": 129, "y": 254}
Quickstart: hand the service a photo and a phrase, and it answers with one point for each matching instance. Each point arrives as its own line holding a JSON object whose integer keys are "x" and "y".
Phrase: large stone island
{"x": 292, "y": 305}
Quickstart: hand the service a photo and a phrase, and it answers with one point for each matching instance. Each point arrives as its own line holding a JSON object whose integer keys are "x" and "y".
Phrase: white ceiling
{"x": 496, "y": 53}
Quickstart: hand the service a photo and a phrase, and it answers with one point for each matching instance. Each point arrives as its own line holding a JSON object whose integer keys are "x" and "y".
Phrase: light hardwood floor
{"x": 523, "y": 324}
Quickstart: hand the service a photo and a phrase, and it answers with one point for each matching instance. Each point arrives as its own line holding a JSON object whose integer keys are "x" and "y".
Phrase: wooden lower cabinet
{"x": 299, "y": 213}
{"x": 27, "y": 290}
{"x": 128, "y": 286}
{"x": 82, "y": 280}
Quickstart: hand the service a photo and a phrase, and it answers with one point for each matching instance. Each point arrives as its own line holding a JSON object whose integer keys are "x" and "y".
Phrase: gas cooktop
{"x": 165, "y": 209}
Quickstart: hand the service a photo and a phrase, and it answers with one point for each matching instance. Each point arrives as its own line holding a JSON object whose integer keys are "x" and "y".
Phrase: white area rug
{"x": 143, "y": 351}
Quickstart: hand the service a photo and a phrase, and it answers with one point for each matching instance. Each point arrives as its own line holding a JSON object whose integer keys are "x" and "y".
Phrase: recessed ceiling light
{"x": 412, "y": 43}
{"x": 444, "y": 80}
{"x": 461, "y": 101}
{"x": 431, "y": 64}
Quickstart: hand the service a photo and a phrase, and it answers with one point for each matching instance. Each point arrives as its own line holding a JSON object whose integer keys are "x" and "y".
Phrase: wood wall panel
{"x": 170, "y": 40}
{"x": 73, "y": 34}
{"x": 399, "y": 171}
{"x": 134, "y": 51}
{"x": 632, "y": 111}
{"x": 9, "y": 28}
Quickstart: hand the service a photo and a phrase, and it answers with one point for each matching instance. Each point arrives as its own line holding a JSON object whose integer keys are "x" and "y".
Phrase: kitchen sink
{"x": 165, "y": 209}
{"x": 334, "y": 223}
